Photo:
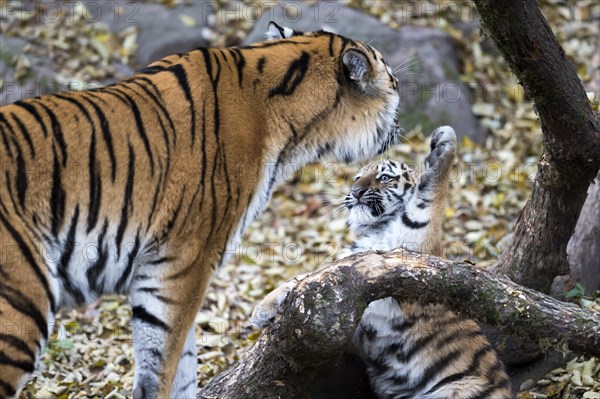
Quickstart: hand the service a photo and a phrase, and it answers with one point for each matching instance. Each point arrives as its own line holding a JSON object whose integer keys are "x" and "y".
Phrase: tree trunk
{"x": 571, "y": 159}
{"x": 319, "y": 317}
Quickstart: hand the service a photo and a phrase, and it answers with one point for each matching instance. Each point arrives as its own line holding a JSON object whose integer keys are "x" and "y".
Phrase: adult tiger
{"x": 178, "y": 159}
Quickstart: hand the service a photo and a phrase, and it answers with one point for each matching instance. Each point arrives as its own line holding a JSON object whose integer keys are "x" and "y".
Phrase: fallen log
{"x": 307, "y": 340}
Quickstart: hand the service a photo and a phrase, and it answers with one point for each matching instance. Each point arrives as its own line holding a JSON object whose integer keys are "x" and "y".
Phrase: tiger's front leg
{"x": 164, "y": 299}
{"x": 186, "y": 379}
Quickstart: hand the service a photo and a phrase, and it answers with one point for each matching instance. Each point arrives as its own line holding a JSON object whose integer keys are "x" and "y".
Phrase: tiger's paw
{"x": 443, "y": 148}
{"x": 264, "y": 313}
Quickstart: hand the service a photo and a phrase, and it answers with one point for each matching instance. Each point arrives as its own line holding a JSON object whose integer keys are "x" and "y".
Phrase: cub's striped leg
{"x": 423, "y": 212}
{"x": 186, "y": 379}
{"x": 26, "y": 304}
{"x": 165, "y": 297}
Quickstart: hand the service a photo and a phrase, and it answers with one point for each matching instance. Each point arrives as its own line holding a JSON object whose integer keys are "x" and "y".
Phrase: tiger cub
{"x": 144, "y": 187}
{"x": 410, "y": 350}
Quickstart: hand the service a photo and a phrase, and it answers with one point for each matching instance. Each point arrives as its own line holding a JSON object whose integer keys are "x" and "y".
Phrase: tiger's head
{"x": 379, "y": 193}
{"x": 337, "y": 96}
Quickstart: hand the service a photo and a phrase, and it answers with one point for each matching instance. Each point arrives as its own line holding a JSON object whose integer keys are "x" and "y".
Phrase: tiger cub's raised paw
{"x": 443, "y": 148}
{"x": 264, "y": 313}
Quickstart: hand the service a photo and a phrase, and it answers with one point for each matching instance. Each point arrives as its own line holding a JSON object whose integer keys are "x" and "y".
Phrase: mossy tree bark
{"x": 295, "y": 356}
{"x": 571, "y": 159}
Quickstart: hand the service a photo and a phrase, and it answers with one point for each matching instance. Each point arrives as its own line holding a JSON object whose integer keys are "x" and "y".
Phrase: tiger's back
{"x": 144, "y": 187}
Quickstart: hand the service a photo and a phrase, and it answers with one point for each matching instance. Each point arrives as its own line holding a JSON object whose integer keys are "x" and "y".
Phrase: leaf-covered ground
{"x": 90, "y": 354}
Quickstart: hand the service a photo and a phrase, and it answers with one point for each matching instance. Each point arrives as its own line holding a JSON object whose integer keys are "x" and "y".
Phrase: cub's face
{"x": 379, "y": 193}
{"x": 357, "y": 102}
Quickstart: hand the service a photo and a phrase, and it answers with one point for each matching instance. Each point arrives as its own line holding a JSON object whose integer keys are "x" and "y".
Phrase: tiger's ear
{"x": 276, "y": 31}
{"x": 356, "y": 66}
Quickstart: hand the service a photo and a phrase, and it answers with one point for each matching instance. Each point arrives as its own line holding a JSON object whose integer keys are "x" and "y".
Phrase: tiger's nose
{"x": 358, "y": 192}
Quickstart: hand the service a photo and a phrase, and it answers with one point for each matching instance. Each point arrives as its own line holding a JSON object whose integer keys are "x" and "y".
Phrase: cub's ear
{"x": 356, "y": 66}
{"x": 276, "y": 31}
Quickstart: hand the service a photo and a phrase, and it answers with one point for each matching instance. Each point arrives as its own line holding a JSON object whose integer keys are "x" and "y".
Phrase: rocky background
{"x": 449, "y": 73}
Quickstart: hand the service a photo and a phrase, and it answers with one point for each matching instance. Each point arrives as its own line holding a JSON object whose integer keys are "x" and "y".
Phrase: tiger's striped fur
{"x": 415, "y": 351}
{"x": 411, "y": 351}
{"x": 144, "y": 187}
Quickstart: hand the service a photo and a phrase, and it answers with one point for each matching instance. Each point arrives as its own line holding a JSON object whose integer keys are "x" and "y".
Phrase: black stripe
{"x": 260, "y": 65}
{"x": 58, "y": 198}
{"x": 188, "y": 354}
{"x": 217, "y": 125}
{"x": 148, "y": 290}
{"x": 423, "y": 341}
{"x": 8, "y": 389}
{"x": 331, "y": 37}
{"x": 186, "y": 386}
{"x": 130, "y": 259}
{"x": 154, "y": 203}
{"x": 31, "y": 260}
{"x": 213, "y": 190}
{"x": 372, "y": 52}
{"x": 293, "y": 77}
{"x": 22, "y": 304}
{"x": 8, "y": 126}
{"x": 204, "y": 155}
{"x": 447, "y": 380}
{"x": 164, "y": 259}
{"x": 138, "y": 121}
{"x": 25, "y": 134}
{"x": 5, "y": 139}
{"x": 182, "y": 78}
{"x": 174, "y": 215}
{"x": 25, "y": 366}
{"x": 21, "y": 178}
{"x": 435, "y": 367}
{"x": 127, "y": 201}
{"x": 152, "y": 70}
{"x": 34, "y": 113}
{"x": 57, "y": 132}
{"x": 228, "y": 187}
{"x": 95, "y": 187}
{"x": 107, "y": 137}
{"x": 96, "y": 269}
{"x": 18, "y": 344}
{"x": 411, "y": 223}
{"x": 161, "y": 105}
{"x": 65, "y": 260}
{"x": 422, "y": 205}
{"x": 140, "y": 313}
{"x": 240, "y": 63}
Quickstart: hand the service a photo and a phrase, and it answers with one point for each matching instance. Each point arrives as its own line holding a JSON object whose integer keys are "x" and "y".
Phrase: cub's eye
{"x": 356, "y": 177}
{"x": 384, "y": 178}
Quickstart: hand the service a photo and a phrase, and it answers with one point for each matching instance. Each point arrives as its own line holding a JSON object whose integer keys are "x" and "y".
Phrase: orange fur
{"x": 164, "y": 171}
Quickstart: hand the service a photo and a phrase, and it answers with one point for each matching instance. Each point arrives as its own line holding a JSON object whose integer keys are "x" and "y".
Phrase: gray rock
{"x": 39, "y": 80}
{"x": 583, "y": 250}
{"x": 431, "y": 92}
{"x": 9, "y": 48}
{"x": 161, "y": 31}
